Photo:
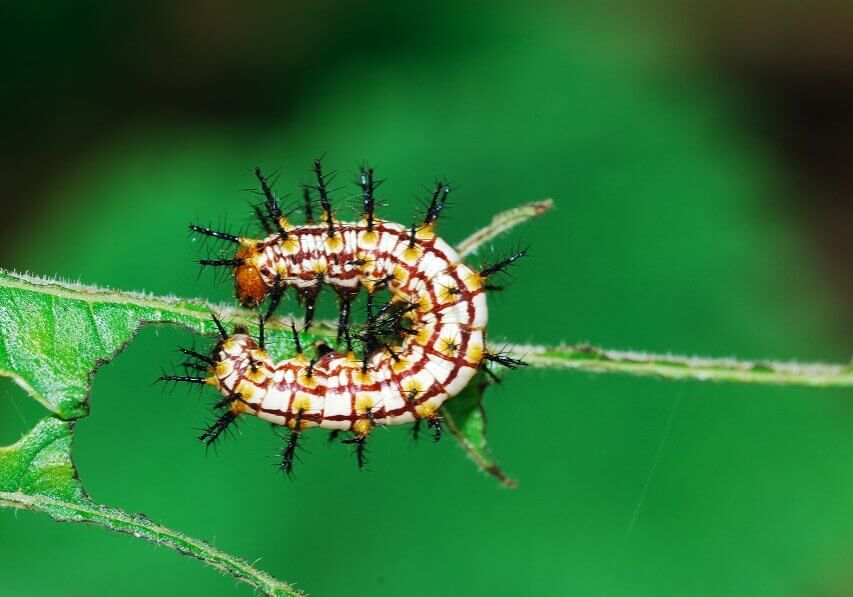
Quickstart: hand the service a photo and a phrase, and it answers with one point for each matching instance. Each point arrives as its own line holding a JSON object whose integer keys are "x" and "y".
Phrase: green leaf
{"x": 37, "y": 473}
{"x": 40, "y": 464}
{"x": 465, "y": 417}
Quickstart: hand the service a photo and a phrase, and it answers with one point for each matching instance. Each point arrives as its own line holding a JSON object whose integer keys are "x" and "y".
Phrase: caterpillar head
{"x": 249, "y": 284}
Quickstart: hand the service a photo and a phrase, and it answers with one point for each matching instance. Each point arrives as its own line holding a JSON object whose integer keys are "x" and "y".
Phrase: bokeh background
{"x": 700, "y": 158}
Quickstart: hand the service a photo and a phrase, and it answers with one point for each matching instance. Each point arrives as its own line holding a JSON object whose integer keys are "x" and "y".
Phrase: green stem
{"x": 501, "y": 223}
{"x": 141, "y": 527}
{"x": 597, "y": 360}
{"x": 581, "y": 357}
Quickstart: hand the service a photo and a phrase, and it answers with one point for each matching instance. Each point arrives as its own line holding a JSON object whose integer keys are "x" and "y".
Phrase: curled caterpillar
{"x": 417, "y": 350}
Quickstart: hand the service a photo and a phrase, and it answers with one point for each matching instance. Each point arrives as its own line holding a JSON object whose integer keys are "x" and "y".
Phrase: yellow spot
{"x": 365, "y": 260}
{"x": 305, "y": 381}
{"x": 260, "y": 355}
{"x": 447, "y": 294}
{"x": 362, "y": 427}
{"x": 448, "y": 346}
{"x": 334, "y": 243}
{"x": 284, "y": 223}
{"x": 425, "y": 232}
{"x": 400, "y": 366}
{"x": 400, "y": 274}
{"x": 289, "y": 246}
{"x": 475, "y": 353}
{"x": 249, "y": 392}
{"x": 411, "y": 254}
{"x": 230, "y": 345}
{"x": 319, "y": 267}
{"x": 363, "y": 377}
{"x": 412, "y": 386}
{"x": 224, "y": 368}
{"x": 300, "y": 402}
{"x": 472, "y": 280}
{"x": 423, "y": 336}
{"x": 363, "y": 403}
{"x": 368, "y": 239}
{"x": 214, "y": 381}
{"x": 424, "y": 304}
{"x": 425, "y": 410}
{"x": 258, "y": 376}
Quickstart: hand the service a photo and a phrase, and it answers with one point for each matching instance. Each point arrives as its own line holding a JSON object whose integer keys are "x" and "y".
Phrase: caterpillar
{"x": 411, "y": 354}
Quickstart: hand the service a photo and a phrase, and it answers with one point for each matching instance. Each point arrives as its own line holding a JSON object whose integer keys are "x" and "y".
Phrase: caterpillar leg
{"x": 361, "y": 429}
{"x": 183, "y": 378}
{"x": 309, "y": 299}
{"x": 501, "y": 359}
{"x": 219, "y": 235}
{"x": 276, "y": 294}
{"x": 219, "y": 327}
{"x": 262, "y": 219}
{"x": 343, "y": 320}
{"x": 503, "y": 264}
{"x": 360, "y": 443}
{"x": 435, "y": 425}
{"x": 307, "y": 202}
{"x": 505, "y": 360}
{"x": 437, "y": 203}
{"x": 273, "y": 210}
{"x": 219, "y": 426}
{"x": 202, "y": 359}
{"x": 288, "y": 454}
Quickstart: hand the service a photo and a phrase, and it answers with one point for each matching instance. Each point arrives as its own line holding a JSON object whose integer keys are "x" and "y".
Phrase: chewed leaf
{"x": 466, "y": 419}
{"x": 55, "y": 335}
{"x": 40, "y": 464}
{"x": 37, "y": 473}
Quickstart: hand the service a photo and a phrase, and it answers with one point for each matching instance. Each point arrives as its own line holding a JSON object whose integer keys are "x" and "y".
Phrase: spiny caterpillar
{"x": 411, "y": 354}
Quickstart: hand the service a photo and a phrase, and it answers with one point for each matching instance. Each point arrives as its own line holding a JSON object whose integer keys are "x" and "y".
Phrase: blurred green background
{"x": 699, "y": 158}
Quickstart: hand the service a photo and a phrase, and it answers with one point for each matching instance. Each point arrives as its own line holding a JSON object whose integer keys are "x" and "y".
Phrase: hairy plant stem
{"x": 501, "y": 223}
{"x": 141, "y": 527}
{"x": 580, "y": 357}
{"x": 598, "y": 360}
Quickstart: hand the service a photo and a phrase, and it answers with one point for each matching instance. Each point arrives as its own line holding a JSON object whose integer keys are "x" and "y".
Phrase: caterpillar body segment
{"x": 398, "y": 383}
{"x": 410, "y": 356}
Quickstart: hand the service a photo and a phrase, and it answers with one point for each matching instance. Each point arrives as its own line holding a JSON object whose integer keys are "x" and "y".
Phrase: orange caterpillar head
{"x": 249, "y": 285}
